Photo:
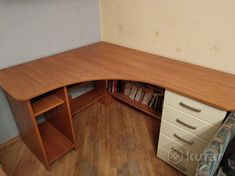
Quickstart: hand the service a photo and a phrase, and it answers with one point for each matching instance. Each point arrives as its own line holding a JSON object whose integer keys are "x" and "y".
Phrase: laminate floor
{"x": 112, "y": 141}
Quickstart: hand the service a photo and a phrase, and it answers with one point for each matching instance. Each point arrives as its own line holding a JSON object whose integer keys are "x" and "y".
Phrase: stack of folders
{"x": 149, "y": 95}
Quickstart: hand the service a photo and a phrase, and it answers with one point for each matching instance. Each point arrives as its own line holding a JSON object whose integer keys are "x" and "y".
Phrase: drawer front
{"x": 194, "y": 108}
{"x": 189, "y": 123}
{"x": 182, "y": 166}
{"x": 170, "y": 145}
{"x": 190, "y": 141}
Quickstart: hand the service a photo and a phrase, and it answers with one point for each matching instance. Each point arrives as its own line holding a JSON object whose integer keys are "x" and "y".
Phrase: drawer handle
{"x": 189, "y": 107}
{"x": 178, "y": 152}
{"x": 185, "y": 124}
{"x": 183, "y": 140}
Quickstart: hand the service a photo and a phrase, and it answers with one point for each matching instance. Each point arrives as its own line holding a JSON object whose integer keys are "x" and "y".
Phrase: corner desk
{"x": 41, "y": 87}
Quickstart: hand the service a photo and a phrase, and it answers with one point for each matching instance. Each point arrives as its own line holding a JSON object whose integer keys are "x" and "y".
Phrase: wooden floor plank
{"x": 112, "y": 141}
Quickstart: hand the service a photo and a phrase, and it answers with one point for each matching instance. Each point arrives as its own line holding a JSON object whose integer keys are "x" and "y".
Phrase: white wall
{"x": 8, "y": 127}
{"x": 196, "y": 31}
{"x": 30, "y": 29}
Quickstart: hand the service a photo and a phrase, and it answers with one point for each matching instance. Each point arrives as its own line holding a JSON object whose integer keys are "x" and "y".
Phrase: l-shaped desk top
{"x": 103, "y": 61}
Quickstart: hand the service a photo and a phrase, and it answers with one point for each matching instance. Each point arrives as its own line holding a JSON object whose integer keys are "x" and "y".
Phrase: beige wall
{"x": 197, "y": 31}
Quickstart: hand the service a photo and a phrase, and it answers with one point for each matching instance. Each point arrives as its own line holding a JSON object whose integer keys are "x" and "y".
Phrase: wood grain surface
{"x": 45, "y": 104}
{"x": 115, "y": 140}
{"x": 27, "y": 125}
{"x": 103, "y": 61}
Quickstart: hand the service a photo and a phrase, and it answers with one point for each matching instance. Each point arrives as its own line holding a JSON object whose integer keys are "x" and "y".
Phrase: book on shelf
{"x": 106, "y": 84}
{"x": 149, "y": 95}
{"x": 110, "y": 86}
{"x": 113, "y": 86}
{"x": 155, "y": 103}
{"x": 133, "y": 92}
{"x": 151, "y": 103}
{"x": 127, "y": 88}
{"x": 155, "y": 99}
{"x": 139, "y": 94}
{"x": 119, "y": 86}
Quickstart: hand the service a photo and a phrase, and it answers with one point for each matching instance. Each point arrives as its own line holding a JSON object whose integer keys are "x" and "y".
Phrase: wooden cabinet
{"x": 53, "y": 137}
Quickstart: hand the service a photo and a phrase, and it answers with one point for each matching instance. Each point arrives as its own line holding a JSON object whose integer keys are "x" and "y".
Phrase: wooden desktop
{"x": 41, "y": 87}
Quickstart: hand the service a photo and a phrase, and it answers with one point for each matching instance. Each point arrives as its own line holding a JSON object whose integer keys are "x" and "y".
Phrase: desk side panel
{"x": 28, "y": 128}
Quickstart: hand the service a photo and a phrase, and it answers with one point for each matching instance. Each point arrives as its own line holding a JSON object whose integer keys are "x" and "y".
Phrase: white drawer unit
{"x": 194, "y": 108}
{"x": 170, "y": 145}
{"x": 183, "y": 137}
{"x": 183, "y": 166}
{"x": 187, "y": 126}
{"x": 189, "y": 123}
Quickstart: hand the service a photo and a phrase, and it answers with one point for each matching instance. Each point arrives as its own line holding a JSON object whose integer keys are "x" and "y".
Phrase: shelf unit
{"x": 56, "y": 132}
{"x": 137, "y": 105}
{"x": 87, "y": 99}
{"x": 53, "y": 137}
{"x": 100, "y": 93}
{"x": 116, "y": 88}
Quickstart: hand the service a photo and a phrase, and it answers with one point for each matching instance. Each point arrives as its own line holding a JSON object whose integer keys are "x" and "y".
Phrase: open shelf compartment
{"x": 55, "y": 143}
{"x": 83, "y": 101}
{"x": 45, "y": 103}
{"x": 54, "y": 124}
{"x": 142, "y": 96}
